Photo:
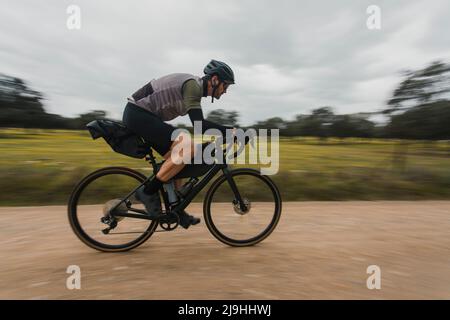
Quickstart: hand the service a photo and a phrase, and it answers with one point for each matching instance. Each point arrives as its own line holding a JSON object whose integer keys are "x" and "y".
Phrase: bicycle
{"x": 240, "y": 208}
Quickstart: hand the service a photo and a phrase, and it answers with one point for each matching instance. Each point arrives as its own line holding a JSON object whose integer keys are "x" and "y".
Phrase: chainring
{"x": 169, "y": 222}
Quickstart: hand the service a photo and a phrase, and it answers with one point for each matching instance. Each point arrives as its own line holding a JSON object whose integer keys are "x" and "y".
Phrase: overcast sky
{"x": 288, "y": 56}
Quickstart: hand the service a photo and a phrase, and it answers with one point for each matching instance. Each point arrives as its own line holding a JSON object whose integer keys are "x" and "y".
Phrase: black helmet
{"x": 222, "y": 70}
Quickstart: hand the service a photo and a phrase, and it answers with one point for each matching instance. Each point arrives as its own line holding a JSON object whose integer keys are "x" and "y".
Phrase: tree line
{"x": 418, "y": 109}
{"x": 22, "y": 107}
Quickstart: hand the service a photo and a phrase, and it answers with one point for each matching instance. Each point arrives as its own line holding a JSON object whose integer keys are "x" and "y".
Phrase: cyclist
{"x": 164, "y": 99}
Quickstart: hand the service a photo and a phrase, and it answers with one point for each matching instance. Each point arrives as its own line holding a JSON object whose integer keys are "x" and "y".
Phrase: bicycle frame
{"x": 188, "y": 198}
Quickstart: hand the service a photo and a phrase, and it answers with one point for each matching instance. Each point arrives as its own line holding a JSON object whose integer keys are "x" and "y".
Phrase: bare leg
{"x": 173, "y": 165}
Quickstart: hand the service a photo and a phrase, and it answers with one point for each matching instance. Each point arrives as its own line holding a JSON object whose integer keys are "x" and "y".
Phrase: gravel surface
{"x": 320, "y": 250}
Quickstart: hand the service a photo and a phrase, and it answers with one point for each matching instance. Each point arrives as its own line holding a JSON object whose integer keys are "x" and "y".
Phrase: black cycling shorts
{"x": 149, "y": 126}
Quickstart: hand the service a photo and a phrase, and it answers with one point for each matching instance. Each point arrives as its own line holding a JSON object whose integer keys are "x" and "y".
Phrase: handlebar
{"x": 241, "y": 146}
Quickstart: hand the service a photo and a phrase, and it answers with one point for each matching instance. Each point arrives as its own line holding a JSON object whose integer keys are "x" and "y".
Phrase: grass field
{"x": 40, "y": 167}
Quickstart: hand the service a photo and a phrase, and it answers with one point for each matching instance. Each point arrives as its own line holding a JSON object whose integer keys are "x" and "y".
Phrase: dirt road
{"x": 320, "y": 250}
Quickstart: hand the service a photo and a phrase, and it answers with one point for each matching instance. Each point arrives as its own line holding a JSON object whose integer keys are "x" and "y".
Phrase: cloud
{"x": 289, "y": 57}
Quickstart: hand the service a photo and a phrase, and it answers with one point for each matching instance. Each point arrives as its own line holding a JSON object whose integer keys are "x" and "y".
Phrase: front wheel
{"x": 234, "y": 225}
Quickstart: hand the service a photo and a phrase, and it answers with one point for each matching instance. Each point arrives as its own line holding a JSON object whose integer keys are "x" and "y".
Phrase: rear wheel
{"x": 238, "y": 227}
{"x": 90, "y": 206}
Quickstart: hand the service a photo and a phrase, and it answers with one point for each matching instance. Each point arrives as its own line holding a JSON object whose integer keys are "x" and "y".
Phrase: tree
{"x": 418, "y": 107}
{"x": 92, "y": 115}
{"x": 422, "y": 86}
{"x": 429, "y": 121}
{"x": 19, "y": 105}
{"x": 271, "y": 123}
{"x": 226, "y": 118}
{"x": 351, "y": 126}
{"x": 85, "y": 118}
{"x": 318, "y": 123}
{"x": 293, "y": 128}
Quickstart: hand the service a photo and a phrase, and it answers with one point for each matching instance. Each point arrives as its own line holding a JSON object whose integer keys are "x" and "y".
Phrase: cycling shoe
{"x": 152, "y": 202}
{"x": 187, "y": 220}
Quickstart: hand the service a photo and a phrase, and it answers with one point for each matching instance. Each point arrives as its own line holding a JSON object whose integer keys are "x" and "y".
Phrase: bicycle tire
{"x": 75, "y": 224}
{"x": 256, "y": 239}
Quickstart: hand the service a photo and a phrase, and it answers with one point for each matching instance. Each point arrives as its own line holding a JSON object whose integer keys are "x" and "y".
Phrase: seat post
{"x": 150, "y": 157}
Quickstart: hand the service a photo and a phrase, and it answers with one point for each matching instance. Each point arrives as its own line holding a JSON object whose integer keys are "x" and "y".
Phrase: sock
{"x": 153, "y": 186}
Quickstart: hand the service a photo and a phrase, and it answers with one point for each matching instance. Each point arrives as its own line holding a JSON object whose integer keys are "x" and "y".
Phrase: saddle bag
{"x": 119, "y": 137}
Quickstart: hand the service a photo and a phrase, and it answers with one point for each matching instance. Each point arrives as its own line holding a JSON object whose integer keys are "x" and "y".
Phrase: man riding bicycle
{"x": 164, "y": 99}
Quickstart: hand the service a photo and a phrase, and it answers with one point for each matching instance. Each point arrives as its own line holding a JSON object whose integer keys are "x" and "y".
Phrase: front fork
{"x": 237, "y": 195}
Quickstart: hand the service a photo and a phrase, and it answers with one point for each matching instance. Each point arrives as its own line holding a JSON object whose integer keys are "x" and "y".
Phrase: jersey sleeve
{"x": 197, "y": 115}
{"x": 192, "y": 95}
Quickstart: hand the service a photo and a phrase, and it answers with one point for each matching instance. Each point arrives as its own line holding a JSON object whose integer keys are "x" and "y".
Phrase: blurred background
{"x": 363, "y": 113}
{"x": 360, "y": 93}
